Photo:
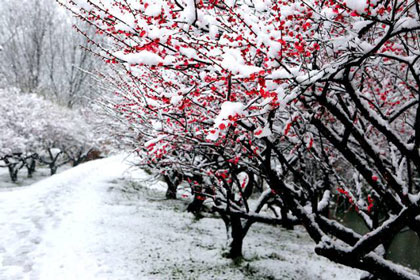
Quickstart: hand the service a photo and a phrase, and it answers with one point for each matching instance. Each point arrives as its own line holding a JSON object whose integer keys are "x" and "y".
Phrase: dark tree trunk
{"x": 237, "y": 234}
{"x": 235, "y": 248}
{"x": 172, "y": 182}
{"x": 54, "y": 163}
{"x": 13, "y": 172}
{"x": 53, "y": 169}
{"x": 286, "y": 222}
{"x": 195, "y": 206}
{"x": 79, "y": 158}
{"x": 78, "y": 161}
{"x": 31, "y": 167}
{"x": 13, "y": 168}
{"x": 171, "y": 191}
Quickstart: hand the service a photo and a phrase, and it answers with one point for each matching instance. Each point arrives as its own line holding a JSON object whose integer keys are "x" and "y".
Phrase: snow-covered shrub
{"x": 35, "y": 128}
{"x": 315, "y": 97}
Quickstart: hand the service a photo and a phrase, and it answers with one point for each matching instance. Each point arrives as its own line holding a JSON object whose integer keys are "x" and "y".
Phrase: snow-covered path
{"x": 96, "y": 221}
{"x": 46, "y": 226}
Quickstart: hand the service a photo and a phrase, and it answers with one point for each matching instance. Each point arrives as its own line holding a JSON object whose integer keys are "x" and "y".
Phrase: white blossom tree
{"x": 34, "y": 128}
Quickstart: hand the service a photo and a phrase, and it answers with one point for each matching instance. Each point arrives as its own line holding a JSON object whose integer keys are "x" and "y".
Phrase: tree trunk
{"x": 53, "y": 169}
{"x": 195, "y": 205}
{"x": 172, "y": 186}
{"x": 13, "y": 172}
{"x": 13, "y": 169}
{"x": 79, "y": 159}
{"x": 286, "y": 222}
{"x": 31, "y": 167}
{"x": 171, "y": 191}
{"x": 237, "y": 237}
{"x": 235, "y": 248}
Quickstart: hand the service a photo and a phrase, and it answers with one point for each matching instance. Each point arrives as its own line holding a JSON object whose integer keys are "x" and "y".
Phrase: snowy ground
{"x": 96, "y": 221}
{"x": 23, "y": 180}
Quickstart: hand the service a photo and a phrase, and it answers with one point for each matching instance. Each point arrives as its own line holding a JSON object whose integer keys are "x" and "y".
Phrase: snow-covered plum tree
{"x": 315, "y": 97}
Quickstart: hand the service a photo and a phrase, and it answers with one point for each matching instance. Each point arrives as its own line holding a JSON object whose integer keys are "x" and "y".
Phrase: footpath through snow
{"x": 44, "y": 227}
{"x": 91, "y": 222}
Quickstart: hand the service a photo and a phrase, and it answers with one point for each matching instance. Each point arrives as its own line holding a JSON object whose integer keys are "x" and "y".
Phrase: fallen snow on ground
{"x": 102, "y": 220}
{"x": 41, "y": 172}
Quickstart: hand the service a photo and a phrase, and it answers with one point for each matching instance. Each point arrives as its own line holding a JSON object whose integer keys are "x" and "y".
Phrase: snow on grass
{"x": 41, "y": 172}
{"x": 102, "y": 220}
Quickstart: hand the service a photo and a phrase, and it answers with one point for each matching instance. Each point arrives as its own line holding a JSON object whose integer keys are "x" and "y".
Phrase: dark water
{"x": 404, "y": 249}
